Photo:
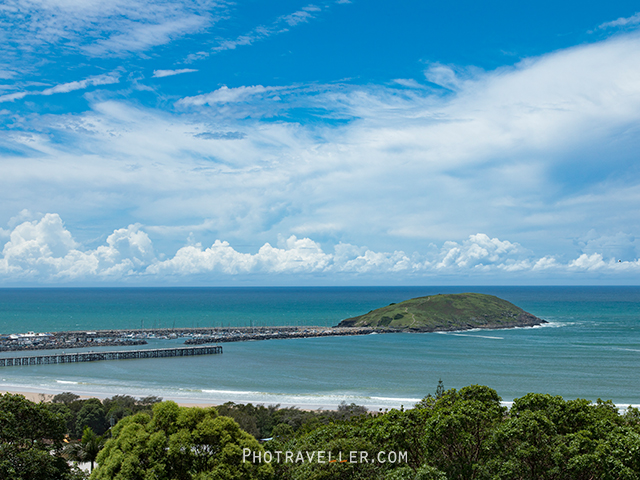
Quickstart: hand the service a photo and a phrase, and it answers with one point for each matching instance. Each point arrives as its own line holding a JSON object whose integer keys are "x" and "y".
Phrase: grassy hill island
{"x": 461, "y": 311}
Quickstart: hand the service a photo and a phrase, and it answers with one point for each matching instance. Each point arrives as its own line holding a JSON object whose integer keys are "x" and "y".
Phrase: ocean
{"x": 590, "y": 348}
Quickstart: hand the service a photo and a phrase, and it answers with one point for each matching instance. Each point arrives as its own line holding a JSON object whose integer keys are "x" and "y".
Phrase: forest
{"x": 453, "y": 434}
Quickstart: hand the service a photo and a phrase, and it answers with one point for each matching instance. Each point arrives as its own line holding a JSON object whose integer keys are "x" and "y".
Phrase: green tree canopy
{"x": 178, "y": 443}
{"x": 31, "y": 438}
{"x": 92, "y": 415}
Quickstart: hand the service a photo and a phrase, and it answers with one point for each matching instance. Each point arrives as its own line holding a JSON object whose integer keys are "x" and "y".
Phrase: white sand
{"x": 47, "y": 397}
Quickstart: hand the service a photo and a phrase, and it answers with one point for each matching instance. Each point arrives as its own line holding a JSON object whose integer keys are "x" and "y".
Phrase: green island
{"x": 460, "y": 311}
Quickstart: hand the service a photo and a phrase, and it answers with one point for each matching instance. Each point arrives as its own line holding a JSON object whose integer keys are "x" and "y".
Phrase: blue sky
{"x": 322, "y": 143}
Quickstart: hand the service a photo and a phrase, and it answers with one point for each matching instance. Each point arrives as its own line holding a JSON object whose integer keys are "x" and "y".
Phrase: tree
{"x": 65, "y": 397}
{"x": 179, "y": 443}
{"x": 440, "y": 389}
{"x": 31, "y": 439}
{"x": 400, "y": 431}
{"x": 87, "y": 449}
{"x": 458, "y": 430}
{"x": 92, "y": 415}
{"x": 526, "y": 446}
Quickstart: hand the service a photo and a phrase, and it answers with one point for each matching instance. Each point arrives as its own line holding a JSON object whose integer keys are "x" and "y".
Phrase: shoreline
{"x": 37, "y": 397}
{"x": 309, "y": 401}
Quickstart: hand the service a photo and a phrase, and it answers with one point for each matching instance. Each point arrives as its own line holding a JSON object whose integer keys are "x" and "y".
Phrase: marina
{"x": 191, "y": 336}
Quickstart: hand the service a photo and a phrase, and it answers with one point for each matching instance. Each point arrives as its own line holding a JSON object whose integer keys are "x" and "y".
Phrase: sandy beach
{"x": 47, "y": 397}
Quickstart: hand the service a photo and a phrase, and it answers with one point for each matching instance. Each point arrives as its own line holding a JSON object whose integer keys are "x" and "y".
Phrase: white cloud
{"x": 6, "y": 74}
{"x": 588, "y": 262}
{"x": 103, "y": 27}
{"x": 144, "y": 37}
{"x": 376, "y": 263}
{"x": 479, "y": 251}
{"x": 169, "y": 73}
{"x": 546, "y": 263}
{"x": 617, "y": 246}
{"x": 10, "y": 97}
{"x": 93, "y": 81}
{"x": 409, "y": 83}
{"x": 532, "y": 153}
{"x": 622, "y": 22}
{"x": 443, "y": 75}
{"x": 45, "y": 250}
{"x": 301, "y": 16}
{"x": 261, "y": 32}
{"x": 227, "y": 95}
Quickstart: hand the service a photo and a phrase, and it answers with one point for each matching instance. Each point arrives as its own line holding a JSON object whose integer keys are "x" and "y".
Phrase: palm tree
{"x": 87, "y": 449}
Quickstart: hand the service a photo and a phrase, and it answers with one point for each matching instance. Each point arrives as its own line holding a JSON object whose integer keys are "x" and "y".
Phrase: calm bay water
{"x": 590, "y": 349}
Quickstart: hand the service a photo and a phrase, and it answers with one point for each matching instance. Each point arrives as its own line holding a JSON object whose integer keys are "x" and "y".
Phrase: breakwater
{"x": 57, "y": 343}
{"x": 192, "y": 336}
{"x": 268, "y": 333}
{"x": 109, "y": 355}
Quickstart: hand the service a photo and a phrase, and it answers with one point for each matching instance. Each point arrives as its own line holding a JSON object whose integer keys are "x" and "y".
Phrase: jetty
{"x": 109, "y": 355}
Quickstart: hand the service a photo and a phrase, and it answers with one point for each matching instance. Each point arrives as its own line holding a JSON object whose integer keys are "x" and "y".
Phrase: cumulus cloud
{"x": 588, "y": 262}
{"x": 481, "y": 251}
{"x": 45, "y": 250}
{"x": 532, "y": 153}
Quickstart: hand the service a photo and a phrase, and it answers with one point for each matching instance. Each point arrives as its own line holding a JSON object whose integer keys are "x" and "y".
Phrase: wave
{"x": 470, "y": 335}
{"x": 394, "y": 399}
{"x": 311, "y": 400}
{"x": 477, "y": 336}
{"x": 234, "y": 392}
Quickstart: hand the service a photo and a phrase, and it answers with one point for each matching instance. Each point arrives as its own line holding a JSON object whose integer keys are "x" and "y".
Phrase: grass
{"x": 446, "y": 312}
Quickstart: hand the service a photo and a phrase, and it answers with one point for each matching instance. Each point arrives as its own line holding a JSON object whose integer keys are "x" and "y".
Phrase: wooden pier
{"x": 109, "y": 355}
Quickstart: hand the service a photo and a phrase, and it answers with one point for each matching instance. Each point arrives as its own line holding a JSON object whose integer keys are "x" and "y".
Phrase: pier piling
{"x": 109, "y": 355}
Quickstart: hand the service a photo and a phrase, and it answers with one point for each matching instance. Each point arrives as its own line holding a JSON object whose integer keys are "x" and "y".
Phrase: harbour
{"x": 191, "y": 336}
{"x": 589, "y": 349}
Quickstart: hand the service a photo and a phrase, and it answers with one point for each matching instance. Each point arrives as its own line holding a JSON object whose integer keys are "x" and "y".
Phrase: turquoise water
{"x": 590, "y": 349}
